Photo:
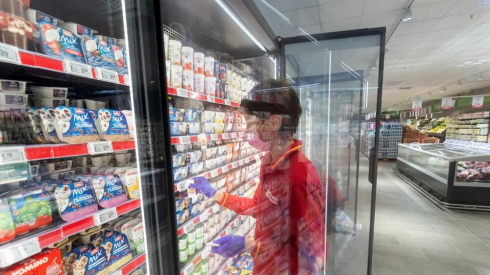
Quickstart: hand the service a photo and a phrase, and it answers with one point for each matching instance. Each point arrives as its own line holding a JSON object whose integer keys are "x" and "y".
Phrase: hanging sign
{"x": 447, "y": 103}
{"x": 417, "y": 105}
{"x": 477, "y": 102}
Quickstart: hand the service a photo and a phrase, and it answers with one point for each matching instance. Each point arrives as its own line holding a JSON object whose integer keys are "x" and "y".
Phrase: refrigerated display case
{"x": 455, "y": 172}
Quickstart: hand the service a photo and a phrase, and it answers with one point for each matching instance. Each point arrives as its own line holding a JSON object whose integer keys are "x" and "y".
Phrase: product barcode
{"x": 189, "y": 227}
{"x": 188, "y": 270}
{"x": 184, "y": 140}
{"x": 9, "y": 54}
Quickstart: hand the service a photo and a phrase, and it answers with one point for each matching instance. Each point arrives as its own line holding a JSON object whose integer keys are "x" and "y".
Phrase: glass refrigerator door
{"x": 80, "y": 189}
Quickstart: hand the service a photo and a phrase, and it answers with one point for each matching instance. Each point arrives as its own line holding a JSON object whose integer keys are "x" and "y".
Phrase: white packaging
{"x": 167, "y": 69}
{"x": 188, "y": 58}
{"x": 210, "y": 86}
{"x": 243, "y": 84}
{"x": 52, "y": 102}
{"x": 199, "y": 83}
{"x": 12, "y": 86}
{"x": 13, "y": 100}
{"x": 58, "y": 92}
{"x": 176, "y": 76}
{"x": 199, "y": 63}
{"x": 165, "y": 45}
{"x": 130, "y": 121}
{"x": 174, "y": 51}
{"x": 209, "y": 67}
{"x": 188, "y": 80}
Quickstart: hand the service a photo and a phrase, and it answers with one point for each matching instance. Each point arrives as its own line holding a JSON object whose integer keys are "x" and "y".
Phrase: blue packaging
{"x": 182, "y": 216}
{"x": 176, "y": 114}
{"x": 75, "y": 199}
{"x": 72, "y": 258}
{"x": 179, "y": 128}
{"x": 193, "y": 128}
{"x": 181, "y": 204}
{"x": 117, "y": 250}
{"x": 178, "y": 160}
{"x": 109, "y": 190}
{"x": 192, "y": 115}
{"x": 222, "y": 72}
{"x": 195, "y": 168}
{"x": 113, "y": 125}
{"x": 96, "y": 261}
{"x": 75, "y": 125}
{"x": 56, "y": 41}
{"x": 216, "y": 69}
{"x": 121, "y": 58}
{"x": 180, "y": 173}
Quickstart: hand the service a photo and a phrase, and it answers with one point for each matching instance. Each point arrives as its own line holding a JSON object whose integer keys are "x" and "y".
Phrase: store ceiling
{"x": 423, "y": 55}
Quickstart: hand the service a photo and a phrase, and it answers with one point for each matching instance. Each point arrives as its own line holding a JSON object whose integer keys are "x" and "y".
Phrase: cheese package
{"x": 47, "y": 262}
{"x": 75, "y": 125}
{"x": 113, "y": 125}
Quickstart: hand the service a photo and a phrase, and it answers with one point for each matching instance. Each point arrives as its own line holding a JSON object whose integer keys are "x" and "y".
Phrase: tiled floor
{"x": 413, "y": 236}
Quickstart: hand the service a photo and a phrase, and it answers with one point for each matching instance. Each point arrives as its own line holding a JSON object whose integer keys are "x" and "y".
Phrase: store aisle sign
{"x": 417, "y": 105}
{"x": 447, "y": 103}
{"x": 477, "y": 102}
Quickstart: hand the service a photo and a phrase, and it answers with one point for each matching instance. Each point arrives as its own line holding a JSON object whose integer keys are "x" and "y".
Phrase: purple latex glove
{"x": 230, "y": 245}
{"x": 201, "y": 184}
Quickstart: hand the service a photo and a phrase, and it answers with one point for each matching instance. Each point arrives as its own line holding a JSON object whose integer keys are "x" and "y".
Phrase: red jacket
{"x": 289, "y": 208}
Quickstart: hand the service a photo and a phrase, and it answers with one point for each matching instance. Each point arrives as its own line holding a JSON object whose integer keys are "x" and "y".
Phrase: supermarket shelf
{"x": 66, "y": 67}
{"x": 26, "y": 247}
{"x": 212, "y": 137}
{"x": 48, "y": 151}
{"x": 182, "y": 185}
{"x": 131, "y": 266}
{"x": 189, "y": 225}
{"x": 187, "y": 94}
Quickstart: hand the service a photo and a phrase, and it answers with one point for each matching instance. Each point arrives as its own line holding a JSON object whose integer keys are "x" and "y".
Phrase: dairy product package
{"x": 180, "y": 173}
{"x": 193, "y": 157}
{"x": 176, "y": 76}
{"x": 192, "y": 115}
{"x": 137, "y": 238}
{"x": 199, "y": 83}
{"x": 47, "y": 262}
{"x": 209, "y": 66}
{"x": 174, "y": 52}
{"x": 75, "y": 125}
{"x": 194, "y": 128}
{"x": 12, "y": 86}
{"x": 131, "y": 123}
{"x": 75, "y": 200}
{"x": 127, "y": 227}
{"x": 179, "y": 128}
{"x": 7, "y": 226}
{"x": 117, "y": 250}
{"x": 210, "y": 86}
{"x": 121, "y": 56}
{"x": 199, "y": 63}
{"x": 178, "y": 159}
{"x": 188, "y": 80}
{"x": 15, "y": 30}
{"x": 35, "y": 125}
{"x": 120, "y": 223}
{"x": 56, "y": 41}
{"x": 93, "y": 262}
{"x": 113, "y": 125}
{"x": 30, "y": 210}
{"x": 108, "y": 189}
{"x": 47, "y": 117}
{"x": 181, "y": 204}
{"x": 188, "y": 58}
{"x": 70, "y": 258}
{"x": 176, "y": 114}
{"x": 132, "y": 183}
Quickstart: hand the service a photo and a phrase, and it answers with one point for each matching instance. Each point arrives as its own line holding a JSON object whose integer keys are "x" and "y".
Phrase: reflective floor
{"x": 413, "y": 236}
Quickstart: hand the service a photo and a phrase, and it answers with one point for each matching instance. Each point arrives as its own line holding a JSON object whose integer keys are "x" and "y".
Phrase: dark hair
{"x": 279, "y": 99}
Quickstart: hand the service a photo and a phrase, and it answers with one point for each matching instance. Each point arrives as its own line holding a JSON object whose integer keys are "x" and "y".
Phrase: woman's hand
{"x": 201, "y": 184}
{"x": 230, "y": 245}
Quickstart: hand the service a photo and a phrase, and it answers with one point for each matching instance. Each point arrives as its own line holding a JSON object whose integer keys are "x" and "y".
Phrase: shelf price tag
{"x": 182, "y": 92}
{"x": 241, "y": 134}
{"x": 107, "y": 75}
{"x": 181, "y": 186}
{"x": 214, "y": 137}
{"x": 17, "y": 252}
{"x": 225, "y": 136}
{"x": 184, "y": 140}
{"x": 224, "y": 169}
{"x": 215, "y": 208}
{"x": 188, "y": 227}
{"x": 257, "y": 158}
{"x": 205, "y": 253}
{"x": 188, "y": 270}
{"x": 247, "y": 160}
{"x": 10, "y": 155}
{"x": 76, "y": 68}
{"x": 233, "y": 135}
{"x": 227, "y": 102}
{"x": 211, "y": 98}
{"x": 118, "y": 272}
{"x": 241, "y": 190}
{"x": 9, "y": 54}
{"x": 214, "y": 173}
{"x": 104, "y": 216}
{"x": 204, "y": 217}
{"x": 228, "y": 230}
{"x": 99, "y": 147}
{"x": 240, "y": 162}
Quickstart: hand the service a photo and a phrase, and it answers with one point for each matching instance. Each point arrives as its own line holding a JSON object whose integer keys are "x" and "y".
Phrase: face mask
{"x": 255, "y": 141}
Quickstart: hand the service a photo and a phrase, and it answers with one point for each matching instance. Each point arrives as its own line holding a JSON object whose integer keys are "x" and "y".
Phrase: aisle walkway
{"x": 413, "y": 236}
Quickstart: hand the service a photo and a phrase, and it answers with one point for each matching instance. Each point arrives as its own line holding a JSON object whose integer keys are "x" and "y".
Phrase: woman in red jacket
{"x": 288, "y": 204}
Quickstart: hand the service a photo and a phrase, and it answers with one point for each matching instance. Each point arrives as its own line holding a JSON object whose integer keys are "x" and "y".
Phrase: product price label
{"x": 241, "y": 190}
{"x": 18, "y": 252}
{"x": 211, "y": 98}
{"x": 206, "y": 253}
{"x": 214, "y": 173}
{"x": 104, "y": 216}
{"x": 188, "y": 270}
{"x": 184, "y": 140}
{"x": 188, "y": 227}
{"x": 228, "y": 230}
{"x": 9, "y": 54}
{"x": 214, "y": 137}
{"x": 224, "y": 169}
{"x": 234, "y": 165}
{"x": 77, "y": 68}
{"x": 204, "y": 217}
{"x": 107, "y": 75}
{"x": 257, "y": 158}
{"x": 99, "y": 147}
{"x": 240, "y": 162}
{"x": 233, "y": 135}
{"x": 227, "y": 102}
{"x": 215, "y": 208}
{"x": 225, "y": 136}
{"x": 181, "y": 186}
{"x": 11, "y": 155}
{"x": 182, "y": 92}
{"x": 241, "y": 134}
{"x": 247, "y": 160}
{"x": 119, "y": 272}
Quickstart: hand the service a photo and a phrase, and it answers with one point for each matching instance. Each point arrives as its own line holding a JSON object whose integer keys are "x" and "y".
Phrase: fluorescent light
{"x": 408, "y": 15}
{"x": 240, "y": 24}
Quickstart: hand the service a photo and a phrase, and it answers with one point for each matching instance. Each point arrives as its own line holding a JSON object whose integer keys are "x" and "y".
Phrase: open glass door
{"x": 336, "y": 76}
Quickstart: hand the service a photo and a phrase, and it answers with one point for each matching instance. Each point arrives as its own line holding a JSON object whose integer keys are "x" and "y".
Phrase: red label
{"x": 78, "y": 184}
{"x": 67, "y": 33}
{"x": 79, "y": 111}
{"x": 117, "y": 113}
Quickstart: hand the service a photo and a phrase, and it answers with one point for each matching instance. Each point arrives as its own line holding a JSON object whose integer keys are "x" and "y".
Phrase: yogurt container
{"x": 137, "y": 237}
{"x": 108, "y": 189}
{"x": 199, "y": 83}
{"x": 166, "y": 38}
{"x": 121, "y": 56}
{"x": 188, "y": 80}
{"x": 209, "y": 66}
{"x": 117, "y": 250}
{"x": 12, "y": 86}
{"x": 191, "y": 249}
{"x": 187, "y": 58}
{"x": 132, "y": 183}
{"x": 198, "y": 62}
{"x": 30, "y": 210}
{"x": 199, "y": 243}
{"x": 183, "y": 255}
{"x": 75, "y": 125}
{"x": 210, "y": 86}
{"x": 176, "y": 76}
{"x": 174, "y": 52}
{"x": 75, "y": 200}
{"x": 113, "y": 125}
{"x": 126, "y": 229}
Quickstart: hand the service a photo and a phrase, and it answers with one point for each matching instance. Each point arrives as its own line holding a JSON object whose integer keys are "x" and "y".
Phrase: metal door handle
{"x": 372, "y": 162}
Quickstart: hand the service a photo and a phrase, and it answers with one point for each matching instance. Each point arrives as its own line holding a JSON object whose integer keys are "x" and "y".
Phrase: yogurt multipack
{"x": 117, "y": 251}
{"x": 47, "y": 117}
{"x": 109, "y": 190}
{"x": 75, "y": 199}
{"x": 56, "y": 41}
{"x": 113, "y": 125}
{"x": 75, "y": 125}
{"x": 121, "y": 56}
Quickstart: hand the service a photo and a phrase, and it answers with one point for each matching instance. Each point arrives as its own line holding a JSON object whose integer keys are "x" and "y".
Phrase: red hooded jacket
{"x": 289, "y": 208}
